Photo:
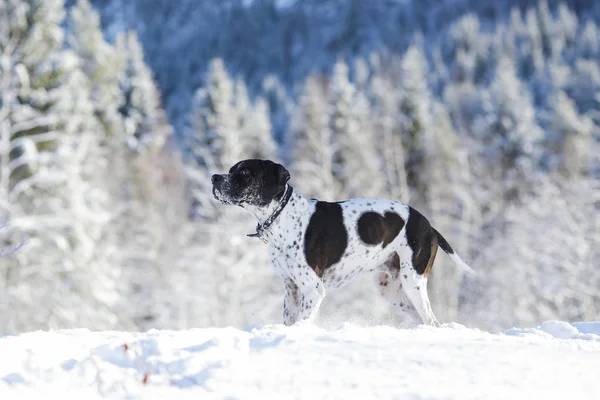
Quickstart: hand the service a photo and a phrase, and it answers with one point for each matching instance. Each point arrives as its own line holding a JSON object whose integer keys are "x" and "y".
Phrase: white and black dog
{"x": 317, "y": 245}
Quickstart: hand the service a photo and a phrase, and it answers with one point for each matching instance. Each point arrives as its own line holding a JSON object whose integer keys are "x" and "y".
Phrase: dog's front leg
{"x": 312, "y": 294}
{"x": 291, "y": 301}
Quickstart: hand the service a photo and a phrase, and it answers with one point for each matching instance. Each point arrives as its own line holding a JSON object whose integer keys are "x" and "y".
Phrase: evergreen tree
{"x": 583, "y": 85}
{"x": 32, "y": 60}
{"x": 387, "y": 137}
{"x": 213, "y": 125}
{"x": 510, "y": 129}
{"x": 144, "y": 120}
{"x": 257, "y": 128}
{"x": 280, "y": 107}
{"x": 101, "y": 63}
{"x": 569, "y": 136}
{"x": 589, "y": 43}
{"x": 313, "y": 147}
{"x": 355, "y": 161}
{"x": 414, "y": 113}
{"x": 60, "y": 204}
{"x": 253, "y": 125}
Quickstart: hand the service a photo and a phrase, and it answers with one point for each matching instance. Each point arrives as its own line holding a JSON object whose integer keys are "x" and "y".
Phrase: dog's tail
{"x": 443, "y": 243}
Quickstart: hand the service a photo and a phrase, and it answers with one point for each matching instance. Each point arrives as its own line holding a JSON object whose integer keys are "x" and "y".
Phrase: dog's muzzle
{"x": 219, "y": 190}
{"x": 217, "y": 182}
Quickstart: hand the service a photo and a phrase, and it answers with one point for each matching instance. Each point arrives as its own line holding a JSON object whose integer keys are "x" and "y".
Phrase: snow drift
{"x": 553, "y": 360}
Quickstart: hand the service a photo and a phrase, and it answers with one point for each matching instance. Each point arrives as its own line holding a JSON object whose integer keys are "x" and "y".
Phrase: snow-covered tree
{"x": 280, "y": 107}
{"x": 414, "y": 105}
{"x": 589, "y": 42}
{"x": 257, "y": 127}
{"x": 355, "y": 161}
{"x": 212, "y": 132}
{"x": 59, "y": 204}
{"x": 387, "y": 136}
{"x": 544, "y": 266}
{"x": 583, "y": 85}
{"x": 469, "y": 46}
{"x": 313, "y": 146}
{"x": 144, "y": 120}
{"x": 569, "y": 136}
{"x": 509, "y": 128}
{"x": 101, "y": 63}
{"x": 224, "y": 127}
{"x": 253, "y": 126}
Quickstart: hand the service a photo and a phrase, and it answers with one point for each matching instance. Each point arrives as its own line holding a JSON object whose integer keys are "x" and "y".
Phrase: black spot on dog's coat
{"x": 423, "y": 241}
{"x": 374, "y": 228}
{"x": 326, "y": 238}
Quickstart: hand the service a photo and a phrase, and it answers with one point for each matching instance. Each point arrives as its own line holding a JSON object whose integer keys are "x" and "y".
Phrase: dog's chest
{"x": 286, "y": 246}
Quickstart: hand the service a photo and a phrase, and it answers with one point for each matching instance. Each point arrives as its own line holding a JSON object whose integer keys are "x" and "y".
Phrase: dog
{"x": 315, "y": 246}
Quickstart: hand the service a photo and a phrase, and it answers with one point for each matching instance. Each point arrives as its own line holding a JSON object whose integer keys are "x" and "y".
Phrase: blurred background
{"x": 482, "y": 114}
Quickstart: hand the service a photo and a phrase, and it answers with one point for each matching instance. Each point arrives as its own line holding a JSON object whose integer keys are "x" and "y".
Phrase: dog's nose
{"x": 216, "y": 178}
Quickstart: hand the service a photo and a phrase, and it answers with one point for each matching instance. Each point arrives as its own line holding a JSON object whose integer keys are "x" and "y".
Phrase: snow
{"x": 554, "y": 360}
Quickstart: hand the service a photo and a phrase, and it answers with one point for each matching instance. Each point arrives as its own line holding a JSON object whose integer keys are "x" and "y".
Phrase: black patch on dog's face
{"x": 374, "y": 228}
{"x": 255, "y": 182}
{"x": 422, "y": 240}
{"x": 326, "y": 238}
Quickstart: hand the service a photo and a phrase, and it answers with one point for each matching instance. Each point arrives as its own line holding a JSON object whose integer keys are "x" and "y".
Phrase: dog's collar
{"x": 260, "y": 228}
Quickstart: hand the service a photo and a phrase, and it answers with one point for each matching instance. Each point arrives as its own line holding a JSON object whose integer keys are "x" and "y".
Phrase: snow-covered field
{"x": 556, "y": 360}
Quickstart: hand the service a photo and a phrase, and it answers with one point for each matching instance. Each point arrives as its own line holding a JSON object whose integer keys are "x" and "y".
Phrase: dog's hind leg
{"x": 416, "y": 261}
{"x": 407, "y": 286}
{"x": 389, "y": 285}
{"x": 415, "y": 287}
{"x": 391, "y": 290}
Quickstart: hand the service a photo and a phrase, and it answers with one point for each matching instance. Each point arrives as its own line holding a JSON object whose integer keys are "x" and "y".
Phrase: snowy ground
{"x": 556, "y": 360}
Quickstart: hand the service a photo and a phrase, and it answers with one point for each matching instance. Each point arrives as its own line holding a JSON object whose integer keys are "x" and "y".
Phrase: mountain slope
{"x": 554, "y": 360}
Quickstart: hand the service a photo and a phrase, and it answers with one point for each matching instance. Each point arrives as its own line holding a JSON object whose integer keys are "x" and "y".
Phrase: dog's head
{"x": 253, "y": 182}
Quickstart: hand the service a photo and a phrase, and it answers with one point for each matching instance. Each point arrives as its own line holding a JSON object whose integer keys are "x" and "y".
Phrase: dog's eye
{"x": 246, "y": 172}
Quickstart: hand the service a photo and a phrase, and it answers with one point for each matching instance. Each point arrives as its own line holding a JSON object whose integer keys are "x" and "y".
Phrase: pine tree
{"x": 253, "y": 126}
{"x": 387, "y": 137}
{"x": 510, "y": 129}
{"x": 145, "y": 123}
{"x": 59, "y": 203}
{"x": 583, "y": 85}
{"x": 355, "y": 161}
{"x": 32, "y": 61}
{"x": 570, "y": 136}
{"x": 280, "y": 107}
{"x": 414, "y": 112}
{"x": 589, "y": 43}
{"x": 212, "y": 131}
{"x": 257, "y": 128}
{"x": 313, "y": 147}
{"x": 101, "y": 63}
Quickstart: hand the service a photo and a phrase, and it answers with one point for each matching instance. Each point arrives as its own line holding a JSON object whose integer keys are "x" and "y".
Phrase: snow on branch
{"x": 22, "y": 242}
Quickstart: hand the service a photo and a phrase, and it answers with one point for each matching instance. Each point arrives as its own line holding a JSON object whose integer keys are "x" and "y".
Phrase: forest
{"x": 114, "y": 114}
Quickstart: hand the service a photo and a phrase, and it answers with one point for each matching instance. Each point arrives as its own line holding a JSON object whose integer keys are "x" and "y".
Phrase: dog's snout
{"x": 216, "y": 178}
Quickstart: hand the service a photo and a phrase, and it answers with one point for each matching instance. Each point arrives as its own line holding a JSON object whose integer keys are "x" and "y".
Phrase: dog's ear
{"x": 277, "y": 171}
{"x": 284, "y": 174}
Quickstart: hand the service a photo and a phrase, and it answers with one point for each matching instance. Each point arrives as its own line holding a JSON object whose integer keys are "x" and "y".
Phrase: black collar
{"x": 260, "y": 228}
